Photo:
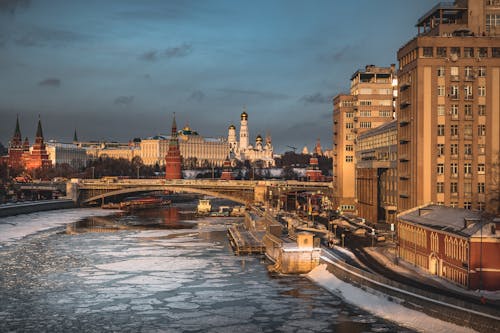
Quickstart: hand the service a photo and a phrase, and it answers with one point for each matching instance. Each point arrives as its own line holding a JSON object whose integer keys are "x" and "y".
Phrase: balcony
{"x": 454, "y": 117}
{"x": 403, "y": 123}
{"x": 454, "y": 97}
{"x": 404, "y": 104}
{"x": 404, "y": 86}
{"x": 468, "y": 117}
{"x": 469, "y": 97}
{"x": 404, "y": 141}
{"x": 454, "y": 175}
{"x": 454, "y": 156}
{"x": 455, "y": 78}
{"x": 469, "y": 78}
{"x": 454, "y": 137}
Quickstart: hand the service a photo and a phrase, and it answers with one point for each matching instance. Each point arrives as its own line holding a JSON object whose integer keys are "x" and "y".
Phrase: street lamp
{"x": 93, "y": 168}
{"x": 343, "y": 236}
{"x": 137, "y": 171}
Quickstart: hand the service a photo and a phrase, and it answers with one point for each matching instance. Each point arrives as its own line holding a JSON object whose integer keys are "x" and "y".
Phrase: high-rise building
{"x": 449, "y": 108}
{"x": 369, "y": 105}
{"x": 173, "y": 158}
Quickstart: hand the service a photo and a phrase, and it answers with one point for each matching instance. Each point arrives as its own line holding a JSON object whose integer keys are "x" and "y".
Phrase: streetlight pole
{"x": 343, "y": 236}
{"x": 93, "y": 168}
{"x": 137, "y": 171}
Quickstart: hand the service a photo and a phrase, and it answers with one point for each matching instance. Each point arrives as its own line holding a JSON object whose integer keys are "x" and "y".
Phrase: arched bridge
{"x": 88, "y": 191}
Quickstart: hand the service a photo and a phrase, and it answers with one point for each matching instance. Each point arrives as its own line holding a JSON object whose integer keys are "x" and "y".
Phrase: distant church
{"x": 242, "y": 150}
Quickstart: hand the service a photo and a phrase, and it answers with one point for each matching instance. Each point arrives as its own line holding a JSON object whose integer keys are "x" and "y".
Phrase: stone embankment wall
{"x": 480, "y": 318}
{"x": 35, "y": 206}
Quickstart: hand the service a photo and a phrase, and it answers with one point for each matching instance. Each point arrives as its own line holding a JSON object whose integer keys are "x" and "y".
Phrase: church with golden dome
{"x": 242, "y": 149}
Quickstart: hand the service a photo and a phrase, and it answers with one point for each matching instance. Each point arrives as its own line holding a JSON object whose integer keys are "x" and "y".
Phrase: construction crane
{"x": 294, "y": 148}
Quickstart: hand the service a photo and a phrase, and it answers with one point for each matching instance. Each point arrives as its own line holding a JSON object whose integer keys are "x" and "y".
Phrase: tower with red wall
{"x": 173, "y": 158}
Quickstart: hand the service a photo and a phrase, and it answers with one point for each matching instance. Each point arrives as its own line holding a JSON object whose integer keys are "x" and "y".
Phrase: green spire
{"x": 17, "y": 132}
{"x": 39, "y": 132}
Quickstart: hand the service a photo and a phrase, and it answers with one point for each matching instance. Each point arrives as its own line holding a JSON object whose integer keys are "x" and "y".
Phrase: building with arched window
{"x": 456, "y": 244}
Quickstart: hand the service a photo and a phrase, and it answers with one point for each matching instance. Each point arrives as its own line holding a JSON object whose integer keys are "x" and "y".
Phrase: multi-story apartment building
{"x": 449, "y": 108}
{"x": 369, "y": 105}
{"x": 376, "y": 173}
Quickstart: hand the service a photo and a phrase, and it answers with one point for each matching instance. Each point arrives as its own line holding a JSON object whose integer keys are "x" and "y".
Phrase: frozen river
{"x": 157, "y": 271}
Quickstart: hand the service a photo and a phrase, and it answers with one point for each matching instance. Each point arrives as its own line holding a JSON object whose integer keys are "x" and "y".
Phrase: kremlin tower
{"x": 244, "y": 130}
{"x": 38, "y": 157}
{"x": 227, "y": 170}
{"x": 173, "y": 158}
{"x": 14, "y": 159}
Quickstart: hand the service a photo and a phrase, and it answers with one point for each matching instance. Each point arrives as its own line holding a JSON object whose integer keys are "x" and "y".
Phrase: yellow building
{"x": 448, "y": 108}
{"x": 369, "y": 105}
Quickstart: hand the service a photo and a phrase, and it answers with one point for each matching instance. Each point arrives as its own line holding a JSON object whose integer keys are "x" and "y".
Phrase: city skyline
{"x": 119, "y": 70}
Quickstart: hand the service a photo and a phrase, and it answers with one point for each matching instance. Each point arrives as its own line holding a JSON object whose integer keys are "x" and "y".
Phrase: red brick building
{"x": 459, "y": 245}
{"x": 37, "y": 157}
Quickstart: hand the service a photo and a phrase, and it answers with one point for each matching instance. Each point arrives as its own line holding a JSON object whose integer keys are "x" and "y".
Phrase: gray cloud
{"x": 124, "y": 100}
{"x": 50, "y": 82}
{"x": 10, "y": 6}
{"x": 347, "y": 52}
{"x": 260, "y": 94}
{"x": 41, "y": 36}
{"x": 315, "y": 98}
{"x": 196, "y": 96}
{"x": 180, "y": 51}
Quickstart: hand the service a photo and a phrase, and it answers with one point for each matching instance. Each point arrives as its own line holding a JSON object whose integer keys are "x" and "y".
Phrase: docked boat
{"x": 204, "y": 207}
{"x": 144, "y": 203}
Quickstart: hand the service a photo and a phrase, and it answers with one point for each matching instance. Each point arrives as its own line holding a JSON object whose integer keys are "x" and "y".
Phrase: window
{"x": 453, "y": 187}
{"x": 454, "y": 111}
{"x": 454, "y": 92}
{"x": 428, "y": 52}
{"x": 385, "y": 113}
{"x": 440, "y": 110}
{"x": 468, "y": 110}
{"x": 365, "y": 103}
{"x": 441, "y": 90}
{"x": 365, "y": 124}
{"x": 440, "y": 131}
{"x": 482, "y": 52}
{"x": 492, "y": 20}
{"x": 468, "y": 92}
{"x": 482, "y": 90}
{"x": 365, "y": 113}
{"x": 480, "y": 205}
{"x": 480, "y": 187}
{"x": 441, "y": 71}
{"x": 455, "y": 51}
{"x": 468, "y": 131}
{"x": 481, "y": 110}
{"x": 468, "y": 72}
{"x": 468, "y": 52}
{"x": 454, "y": 204}
{"x": 349, "y": 148}
{"x": 468, "y": 168}
{"x": 441, "y": 52}
{"x": 467, "y": 205}
{"x": 454, "y": 71}
{"x": 481, "y": 71}
{"x": 348, "y": 158}
{"x": 481, "y": 130}
{"x": 454, "y": 130}
{"x": 440, "y": 187}
{"x": 349, "y": 114}
{"x": 440, "y": 149}
{"x": 440, "y": 168}
{"x": 467, "y": 149}
{"x": 480, "y": 169}
{"x": 454, "y": 149}
{"x": 349, "y": 125}
{"x": 481, "y": 149}
{"x": 454, "y": 168}
{"x": 495, "y": 52}
{"x": 468, "y": 188}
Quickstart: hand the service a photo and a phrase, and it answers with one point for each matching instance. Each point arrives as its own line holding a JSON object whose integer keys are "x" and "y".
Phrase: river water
{"x": 158, "y": 271}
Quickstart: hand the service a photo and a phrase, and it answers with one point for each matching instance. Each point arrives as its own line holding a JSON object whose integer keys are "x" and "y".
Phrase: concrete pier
{"x": 34, "y": 206}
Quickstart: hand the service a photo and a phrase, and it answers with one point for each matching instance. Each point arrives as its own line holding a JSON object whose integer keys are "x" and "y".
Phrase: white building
{"x": 242, "y": 150}
{"x": 67, "y": 153}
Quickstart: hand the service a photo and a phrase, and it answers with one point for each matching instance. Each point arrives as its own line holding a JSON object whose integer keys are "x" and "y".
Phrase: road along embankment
{"x": 475, "y": 316}
{"x": 35, "y": 206}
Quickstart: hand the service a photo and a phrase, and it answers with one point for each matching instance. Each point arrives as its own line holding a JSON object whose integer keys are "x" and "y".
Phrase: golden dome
{"x": 244, "y": 116}
{"x": 232, "y": 126}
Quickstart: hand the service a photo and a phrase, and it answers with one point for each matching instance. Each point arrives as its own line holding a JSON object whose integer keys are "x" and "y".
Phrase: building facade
{"x": 456, "y": 244}
{"x": 376, "y": 173}
{"x": 369, "y": 105}
{"x": 67, "y": 153}
{"x": 448, "y": 108}
{"x": 173, "y": 157}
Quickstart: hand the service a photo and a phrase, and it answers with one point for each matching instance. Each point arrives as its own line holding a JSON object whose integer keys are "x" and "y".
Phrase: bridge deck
{"x": 246, "y": 242}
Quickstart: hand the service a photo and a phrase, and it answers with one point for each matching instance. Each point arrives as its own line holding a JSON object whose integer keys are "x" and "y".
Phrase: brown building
{"x": 456, "y": 244}
{"x": 376, "y": 173}
{"x": 369, "y": 105}
{"x": 448, "y": 108}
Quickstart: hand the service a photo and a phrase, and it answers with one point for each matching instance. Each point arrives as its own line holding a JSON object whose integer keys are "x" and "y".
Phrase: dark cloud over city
{"x": 118, "y": 69}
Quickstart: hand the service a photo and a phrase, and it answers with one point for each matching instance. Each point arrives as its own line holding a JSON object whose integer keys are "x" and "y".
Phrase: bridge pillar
{"x": 260, "y": 193}
{"x": 72, "y": 190}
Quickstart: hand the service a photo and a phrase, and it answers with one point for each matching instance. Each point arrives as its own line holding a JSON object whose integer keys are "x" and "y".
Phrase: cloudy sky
{"x": 118, "y": 69}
